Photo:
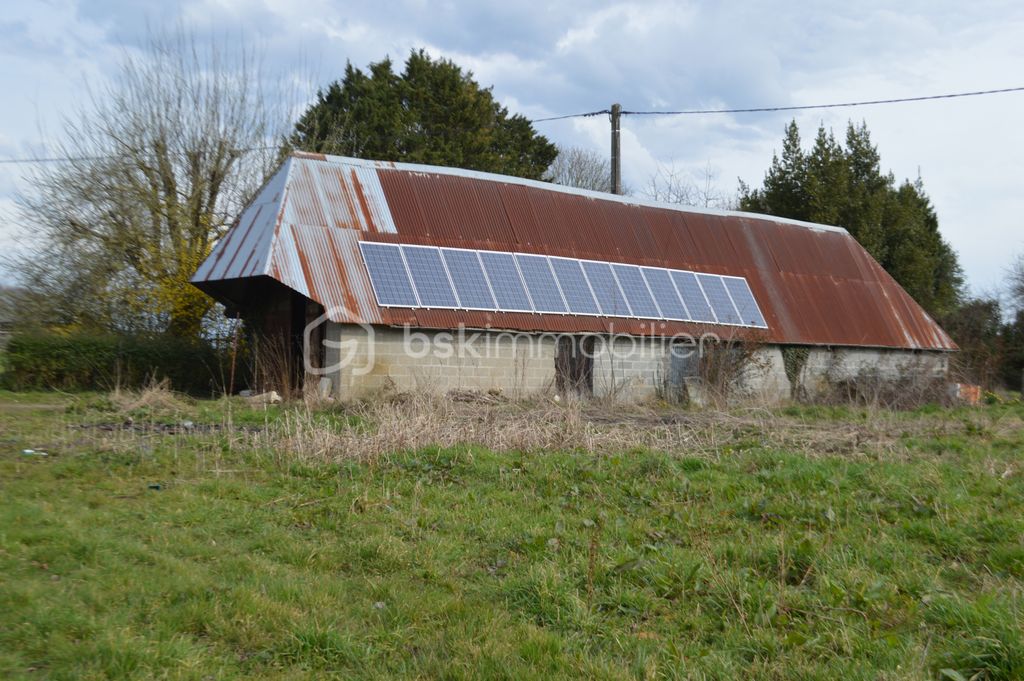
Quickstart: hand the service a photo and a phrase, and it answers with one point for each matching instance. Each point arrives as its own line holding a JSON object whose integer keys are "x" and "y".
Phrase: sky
{"x": 551, "y": 59}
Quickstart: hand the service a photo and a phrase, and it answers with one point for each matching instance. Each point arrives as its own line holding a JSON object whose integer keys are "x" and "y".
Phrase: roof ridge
{"x": 550, "y": 186}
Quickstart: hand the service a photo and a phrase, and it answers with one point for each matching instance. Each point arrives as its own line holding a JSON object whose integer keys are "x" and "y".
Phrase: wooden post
{"x": 616, "y": 153}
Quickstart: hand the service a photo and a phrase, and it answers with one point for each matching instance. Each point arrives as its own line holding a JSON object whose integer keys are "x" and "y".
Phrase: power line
{"x": 106, "y": 157}
{"x": 805, "y": 107}
{"x": 835, "y": 105}
{"x": 575, "y": 115}
{"x": 589, "y": 114}
{"x": 52, "y": 159}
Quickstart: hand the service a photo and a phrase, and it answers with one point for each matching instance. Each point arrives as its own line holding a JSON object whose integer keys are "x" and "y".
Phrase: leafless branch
{"x": 672, "y": 185}
{"x": 1015, "y": 283}
{"x": 581, "y": 168}
{"x": 161, "y": 161}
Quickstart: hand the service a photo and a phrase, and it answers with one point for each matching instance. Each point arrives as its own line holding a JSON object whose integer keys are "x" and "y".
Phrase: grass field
{"x": 420, "y": 539}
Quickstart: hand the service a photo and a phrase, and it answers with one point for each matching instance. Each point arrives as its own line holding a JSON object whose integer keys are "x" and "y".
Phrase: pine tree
{"x": 841, "y": 186}
{"x": 867, "y": 189}
{"x": 826, "y": 179}
{"x": 785, "y": 184}
{"x": 433, "y": 112}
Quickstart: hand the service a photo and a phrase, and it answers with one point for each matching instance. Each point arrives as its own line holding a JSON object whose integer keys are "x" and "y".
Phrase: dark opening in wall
{"x": 574, "y": 365}
{"x": 684, "y": 366}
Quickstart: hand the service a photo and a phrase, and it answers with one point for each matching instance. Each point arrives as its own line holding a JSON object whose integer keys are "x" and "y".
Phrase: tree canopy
{"x": 158, "y": 164}
{"x": 844, "y": 186}
{"x": 432, "y": 112}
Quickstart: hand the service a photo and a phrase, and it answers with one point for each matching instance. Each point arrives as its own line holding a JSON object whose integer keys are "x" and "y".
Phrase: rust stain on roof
{"x": 364, "y": 206}
{"x": 814, "y": 283}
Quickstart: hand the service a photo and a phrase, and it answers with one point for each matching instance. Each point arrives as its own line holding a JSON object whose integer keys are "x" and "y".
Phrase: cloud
{"x": 556, "y": 58}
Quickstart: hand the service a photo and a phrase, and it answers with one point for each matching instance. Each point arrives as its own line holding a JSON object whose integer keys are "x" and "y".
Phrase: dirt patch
{"x": 31, "y": 406}
{"x": 183, "y": 428}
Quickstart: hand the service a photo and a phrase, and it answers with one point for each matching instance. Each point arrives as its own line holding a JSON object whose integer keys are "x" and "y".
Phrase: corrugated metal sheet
{"x": 814, "y": 283}
{"x": 245, "y": 249}
{"x": 325, "y": 265}
{"x": 325, "y": 194}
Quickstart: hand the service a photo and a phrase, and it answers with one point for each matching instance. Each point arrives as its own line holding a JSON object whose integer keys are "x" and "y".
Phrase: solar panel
{"x": 429, "y": 277}
{"x": 637, "y": 293}
{"x": 506, "y": 283}
{"x": 665, "y": 293}
{"x": 606, "y": 289}
{"x": 696, "y": 304}
{"x": 406, "y": 275}
{"x": 541, "y": 284}
{"x": 574, "y": 285}
{"x": 714, "y": 289}
{"x": 746, "y": 305}
{"x": 388, "y": 275}
{"x": 468, "y": 277}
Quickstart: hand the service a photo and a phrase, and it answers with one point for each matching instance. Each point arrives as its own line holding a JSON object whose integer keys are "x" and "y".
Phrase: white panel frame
{"x": 487, "y": 279}
{"x": 522, "y": 281}
{"x": 558, "y": 284}
{"x": 586, "y": 279}
{"x": 713, "y": 311}
{"x": 447, "y": 276}
{"x": 671, "y": 280}
{"x": 405, "y": 265}
{"x": 757, "y": 305}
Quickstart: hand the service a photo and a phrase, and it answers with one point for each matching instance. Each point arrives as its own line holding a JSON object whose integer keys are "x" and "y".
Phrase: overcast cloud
{"x": 546, "y": 60}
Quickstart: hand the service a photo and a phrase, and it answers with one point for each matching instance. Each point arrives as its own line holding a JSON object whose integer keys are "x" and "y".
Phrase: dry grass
{"x": 273, "y": 366}
{"x": 157, "y": 396}
{"x": 317, "y": 431}
{"x": 413, "y": 421}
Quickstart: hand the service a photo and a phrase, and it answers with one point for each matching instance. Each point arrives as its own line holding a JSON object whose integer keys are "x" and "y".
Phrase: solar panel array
{"x": 460, "y": 279}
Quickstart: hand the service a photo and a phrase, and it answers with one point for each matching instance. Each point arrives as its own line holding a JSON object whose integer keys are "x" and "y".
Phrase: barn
{"x": 390, "y": 276}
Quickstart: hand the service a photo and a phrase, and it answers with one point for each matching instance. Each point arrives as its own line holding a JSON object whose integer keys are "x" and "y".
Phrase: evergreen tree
{"x": 826, "y": 180}
{"x": 785, "y": 184}
{"x": 836, "y": 185}
{"x": 1013, "y": 362}
{"x": 433, "y": 112}
{"x": 867, "y": 189}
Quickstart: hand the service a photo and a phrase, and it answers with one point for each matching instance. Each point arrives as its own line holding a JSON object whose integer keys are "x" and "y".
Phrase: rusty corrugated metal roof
{"x": 814, "y": 283}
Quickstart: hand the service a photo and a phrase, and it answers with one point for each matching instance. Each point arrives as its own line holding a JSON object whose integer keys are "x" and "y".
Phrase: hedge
{"x": 42, "y": 361}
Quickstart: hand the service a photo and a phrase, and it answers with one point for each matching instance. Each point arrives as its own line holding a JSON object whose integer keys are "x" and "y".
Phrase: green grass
{"x": 467, "y": 563}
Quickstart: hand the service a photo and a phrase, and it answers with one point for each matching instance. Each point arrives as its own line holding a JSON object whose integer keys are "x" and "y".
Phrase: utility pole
{"x": 616, "y": 152}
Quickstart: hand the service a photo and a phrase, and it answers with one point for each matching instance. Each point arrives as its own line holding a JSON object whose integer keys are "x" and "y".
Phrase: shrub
{"x": 726, "y": 365}
{"x": 81, "y": 361}
{"x": 911, "y": 384}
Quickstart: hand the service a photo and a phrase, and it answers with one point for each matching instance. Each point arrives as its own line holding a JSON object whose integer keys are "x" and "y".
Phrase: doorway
{"x": 574, "y": 365}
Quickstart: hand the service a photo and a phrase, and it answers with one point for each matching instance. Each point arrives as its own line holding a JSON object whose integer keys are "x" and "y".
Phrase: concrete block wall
{"x": 765, "y": 381}
{"x": 383, "y": 359}
{"x": 364, "y": 361}
{"x": 826, "y": 366}
{"x": 631, "y": 369}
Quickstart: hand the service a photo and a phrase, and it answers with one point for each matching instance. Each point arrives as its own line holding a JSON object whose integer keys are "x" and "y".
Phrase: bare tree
{"x": 156, "y": 166}
{"x": 6, "y": 313}
{"x": 671, "y": 185}
{"x": 1016, "y": 282}
{"x": 582, "y": 168}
